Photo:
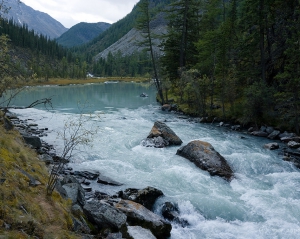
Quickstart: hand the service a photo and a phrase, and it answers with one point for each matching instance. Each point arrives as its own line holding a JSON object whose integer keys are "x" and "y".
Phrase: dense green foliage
{"x": 82, "y": 33}
{"x": 134, "y": 65}
{"x": 38, "y": 55}
{"x": 245, "y": 54}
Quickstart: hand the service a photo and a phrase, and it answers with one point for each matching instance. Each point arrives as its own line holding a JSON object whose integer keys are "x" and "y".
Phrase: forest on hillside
{"x": 237, "y": 60}
{"x": 234, "y": 59}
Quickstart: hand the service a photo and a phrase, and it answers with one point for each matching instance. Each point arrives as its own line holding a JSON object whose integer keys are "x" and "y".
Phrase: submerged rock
{"x": 271, "y": 146}
{"x": 170, "y": 211}
{"x": 205, "y": 157}
{"x": 161, "y": 136}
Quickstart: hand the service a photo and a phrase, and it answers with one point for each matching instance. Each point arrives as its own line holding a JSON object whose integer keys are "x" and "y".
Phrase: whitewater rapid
{"x": 262, "y": 201}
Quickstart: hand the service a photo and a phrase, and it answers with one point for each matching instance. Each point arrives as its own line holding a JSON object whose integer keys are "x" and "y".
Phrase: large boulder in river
{"x": 161, "y": 135}
{"x": 207, "y": 158}
{"x": 138, "y": 215}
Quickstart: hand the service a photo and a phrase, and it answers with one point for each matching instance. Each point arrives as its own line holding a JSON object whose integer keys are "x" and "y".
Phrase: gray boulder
{"x": 205, "y": 157}
{"x": 146, "y": 196}
{"x": 271, "y": 146}
{"x": 269, "y": 130}
{"x": 274, "y": 135}
{"x": 138, "y": 215}
{"x": 104, "y": 215}
{"x": 137, "y": 232}
{"x": 160, "y": 129}
{"x": 34, "y": 141}
{"x": 70, "y": 188}
{"x": 293, "y": 144}
{"x": 285, "y": 134}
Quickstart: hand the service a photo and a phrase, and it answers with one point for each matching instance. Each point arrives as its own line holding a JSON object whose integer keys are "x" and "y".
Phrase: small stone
{"x": 271, "y": 146}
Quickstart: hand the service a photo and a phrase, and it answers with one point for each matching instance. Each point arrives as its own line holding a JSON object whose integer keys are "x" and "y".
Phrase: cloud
{"x": 72, "y": 12}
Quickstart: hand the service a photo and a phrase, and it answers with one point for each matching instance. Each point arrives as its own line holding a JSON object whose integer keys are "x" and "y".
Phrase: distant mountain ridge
{"x": 40, "y": 22}
{"x": 82, "y": 33}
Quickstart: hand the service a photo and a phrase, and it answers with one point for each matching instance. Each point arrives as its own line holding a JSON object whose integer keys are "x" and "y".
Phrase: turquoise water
{"x": 263, "y": 201}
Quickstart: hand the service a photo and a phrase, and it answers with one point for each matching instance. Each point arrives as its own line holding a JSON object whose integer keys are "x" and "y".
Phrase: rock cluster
{"x": 161, "y": 136}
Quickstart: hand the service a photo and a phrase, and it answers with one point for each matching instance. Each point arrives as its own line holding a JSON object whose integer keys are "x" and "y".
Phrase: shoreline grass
{"x": 68, "y": 81}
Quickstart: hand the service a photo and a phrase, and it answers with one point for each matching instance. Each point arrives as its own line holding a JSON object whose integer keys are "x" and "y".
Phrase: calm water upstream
{"x": 263, "y": 201}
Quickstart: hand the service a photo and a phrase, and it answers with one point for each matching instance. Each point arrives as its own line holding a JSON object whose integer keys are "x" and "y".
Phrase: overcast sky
{"x": 71, "y": 12}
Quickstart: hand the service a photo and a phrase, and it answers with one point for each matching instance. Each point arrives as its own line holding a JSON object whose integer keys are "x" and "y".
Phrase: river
{"x": 263, "y": 201}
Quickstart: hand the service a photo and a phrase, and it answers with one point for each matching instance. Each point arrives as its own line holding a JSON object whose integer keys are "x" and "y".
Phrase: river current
{"x": 263, "y": 201}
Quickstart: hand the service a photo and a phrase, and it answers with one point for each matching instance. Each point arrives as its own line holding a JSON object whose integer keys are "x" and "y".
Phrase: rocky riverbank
{"x": 126, "y": 214}
{"x": 287, "y": 143}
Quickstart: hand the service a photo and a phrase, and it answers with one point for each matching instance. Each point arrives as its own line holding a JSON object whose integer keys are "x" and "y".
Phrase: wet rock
{"x": 285, "y": 134}
{"x": 143, "y": 95}
{"x": 146, "y": 196}
{"x": 251, "y": 129}
{"x": 34, "y": 141}
{"x": 271, "y": 146}
{"x": 166, "y": 107}
{"x": 236, "y": 127}
{"x": 104, "y": 215}
{"x": 269, "y": 130}
{"x": 137, "y": 232}
{"x": 171, "y": 212}
{"x": 157, "y": 142}
{"x": 160, "y": 129}
{"x": 259, "y": 133}
{"x": 274, "y": 135}
{"x": 107, "y": 181}
{"x": 87, "y": 174}
{"x": 293, "y": 144}
{"x": 292, "y": 159}
{"x": 138, "y": 215}
{"x": 205, "y": 157}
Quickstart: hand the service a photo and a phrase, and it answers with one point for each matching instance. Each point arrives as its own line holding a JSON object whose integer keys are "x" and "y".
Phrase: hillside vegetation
{"x": 25, "y": 211}
{"x": 82, "y": 33}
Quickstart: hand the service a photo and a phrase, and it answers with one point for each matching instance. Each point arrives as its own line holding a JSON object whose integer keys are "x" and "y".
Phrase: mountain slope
{"x": 116, "y": 31}
{"x": 129, "y": 43}
{"x": 82, "y": 33}
{"x": 40, "y": 22}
